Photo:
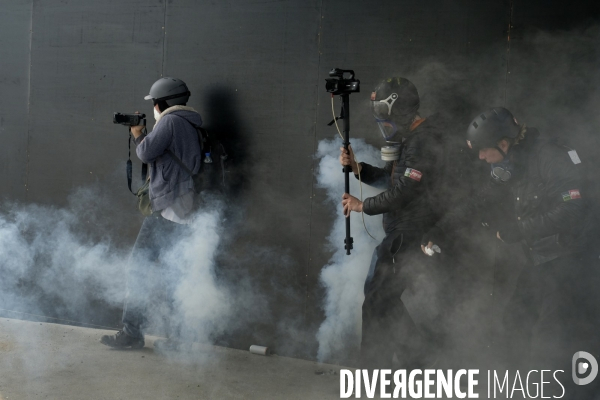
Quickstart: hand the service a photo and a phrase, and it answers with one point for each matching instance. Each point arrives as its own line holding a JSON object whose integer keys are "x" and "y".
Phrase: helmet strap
{"x": 501, "y": 151}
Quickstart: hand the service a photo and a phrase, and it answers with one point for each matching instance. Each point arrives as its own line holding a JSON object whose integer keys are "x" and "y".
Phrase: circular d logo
{"x": 584, "y": 363}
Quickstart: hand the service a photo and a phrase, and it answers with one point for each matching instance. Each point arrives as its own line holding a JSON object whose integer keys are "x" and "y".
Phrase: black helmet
{"x": 394, "y": 104}
{"x": 488, "y": 128}
{"x": 395, "y": 97}
{"x": 171, "y": 90}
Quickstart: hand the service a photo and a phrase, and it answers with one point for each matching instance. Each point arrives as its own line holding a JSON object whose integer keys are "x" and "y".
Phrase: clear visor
{"x": 382, "y": 109}
{"x": 388, "y": 128}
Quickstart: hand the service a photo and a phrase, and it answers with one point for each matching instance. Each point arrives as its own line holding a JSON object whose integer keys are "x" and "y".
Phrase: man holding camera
{"x": 173, "y": 141}
{"x": 415, "y": 182}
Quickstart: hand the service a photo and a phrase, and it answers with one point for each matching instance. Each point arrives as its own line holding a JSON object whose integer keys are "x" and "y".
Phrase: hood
{"x": 183, "y": 111}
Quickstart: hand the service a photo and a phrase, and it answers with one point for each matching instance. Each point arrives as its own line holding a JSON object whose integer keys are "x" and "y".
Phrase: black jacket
{"x": 549, "y": 211}
{"x": 416, "y": 182}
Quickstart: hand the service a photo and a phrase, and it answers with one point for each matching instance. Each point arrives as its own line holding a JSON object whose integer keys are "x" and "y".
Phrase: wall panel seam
{"x": 162, "y": 68}
{"x": 27, "y": 148}
{"x": 315, "y": 144}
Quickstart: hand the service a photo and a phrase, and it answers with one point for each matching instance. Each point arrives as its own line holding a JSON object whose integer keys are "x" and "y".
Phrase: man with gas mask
{"x": 173, "y": 141}
{"x": 414, "y": 175}
{"x": 548, "y": 315}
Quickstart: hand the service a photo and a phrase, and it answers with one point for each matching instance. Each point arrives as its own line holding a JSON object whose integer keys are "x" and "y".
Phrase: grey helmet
{"x": 491, "y": 126}
{"x": 171, "y": 90}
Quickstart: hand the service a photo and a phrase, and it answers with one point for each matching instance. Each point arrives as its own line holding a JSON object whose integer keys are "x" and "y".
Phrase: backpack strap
{"x": 178, "y": 161}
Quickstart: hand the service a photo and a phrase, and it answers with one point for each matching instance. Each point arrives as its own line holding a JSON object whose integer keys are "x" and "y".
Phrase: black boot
{"x": 121, "y": 340}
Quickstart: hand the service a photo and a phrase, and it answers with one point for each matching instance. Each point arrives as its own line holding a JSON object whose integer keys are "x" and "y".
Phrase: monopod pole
{"x": 348, "y": 242}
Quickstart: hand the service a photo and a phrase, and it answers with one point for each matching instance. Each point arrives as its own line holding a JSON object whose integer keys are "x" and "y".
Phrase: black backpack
{"x": 212, "y": 173}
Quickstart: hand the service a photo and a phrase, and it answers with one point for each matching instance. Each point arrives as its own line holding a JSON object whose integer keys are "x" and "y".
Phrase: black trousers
{"x": 387, "y": 326}
{"x": 552, "y": 314}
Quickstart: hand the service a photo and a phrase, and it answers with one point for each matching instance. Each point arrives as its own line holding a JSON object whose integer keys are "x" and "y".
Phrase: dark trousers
{"x": 387, "y": 326}
{"x": 151, "y": 277}
{"x": 552, "y": 314}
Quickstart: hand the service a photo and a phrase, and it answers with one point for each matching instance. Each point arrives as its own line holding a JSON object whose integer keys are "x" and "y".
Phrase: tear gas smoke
{"x": 62, "y": 262}
{"x": 202, "y": 306}
{"x": 344, "y": 276}
{"x": 47, "y": 255}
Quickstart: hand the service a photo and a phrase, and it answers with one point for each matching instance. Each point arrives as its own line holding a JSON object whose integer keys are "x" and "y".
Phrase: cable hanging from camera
{"x": 354, "y": 158}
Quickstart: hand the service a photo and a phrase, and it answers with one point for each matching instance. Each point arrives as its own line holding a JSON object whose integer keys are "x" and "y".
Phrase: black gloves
{"x": 432, "y": 235}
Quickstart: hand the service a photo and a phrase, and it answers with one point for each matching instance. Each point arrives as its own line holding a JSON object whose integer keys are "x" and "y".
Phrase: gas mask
{"x": 392, "y": 134}
{"x": 382, "y": 111}
{"x": 391, "y": 131}
{"x": 503, "y": 171}
{"x": 390, "y": 128}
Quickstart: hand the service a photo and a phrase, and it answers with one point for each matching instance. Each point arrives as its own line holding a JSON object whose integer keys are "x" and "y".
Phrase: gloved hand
{"x": 431, "y": 238}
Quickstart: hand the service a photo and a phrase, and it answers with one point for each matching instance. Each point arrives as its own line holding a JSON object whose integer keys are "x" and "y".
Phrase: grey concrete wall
{"x": 256, "y": 72}
{"x": 15, "y": 19}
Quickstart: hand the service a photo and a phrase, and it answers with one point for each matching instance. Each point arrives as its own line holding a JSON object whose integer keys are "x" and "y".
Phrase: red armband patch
{"x": 413, "y": 174}
{"x": 571, "y": 195}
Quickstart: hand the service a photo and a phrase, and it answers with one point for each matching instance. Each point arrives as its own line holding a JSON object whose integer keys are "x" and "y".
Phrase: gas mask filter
{"x": 502, "y": 171}
{"x": 390, "y": 153}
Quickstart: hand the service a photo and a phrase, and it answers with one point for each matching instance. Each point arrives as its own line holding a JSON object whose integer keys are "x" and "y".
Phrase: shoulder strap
{"x": 129, "y": 167}
{"x": 178, "y": 161}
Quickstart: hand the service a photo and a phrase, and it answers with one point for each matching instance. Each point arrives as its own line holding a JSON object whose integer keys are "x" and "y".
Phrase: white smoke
{"x": 46, "y": 256}
{"x": 61, "y": 262}
{"x": 344, "y": 275}
{"x": 202, "y": 306}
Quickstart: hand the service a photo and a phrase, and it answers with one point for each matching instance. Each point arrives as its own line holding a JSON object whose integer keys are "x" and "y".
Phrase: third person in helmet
{"x": 547, "y": 317}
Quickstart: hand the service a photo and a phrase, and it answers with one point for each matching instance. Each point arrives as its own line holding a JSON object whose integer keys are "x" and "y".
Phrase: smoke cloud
{"x": 62, "y": 262}
{"x": 202, "y": 305}
{"x": 344, "y": 276}
{"x": 58, "y": 256}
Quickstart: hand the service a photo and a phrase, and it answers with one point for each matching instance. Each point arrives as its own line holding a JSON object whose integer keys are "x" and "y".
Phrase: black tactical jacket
{"x": 550, "y": 216}
{"x": 415, "y": 196}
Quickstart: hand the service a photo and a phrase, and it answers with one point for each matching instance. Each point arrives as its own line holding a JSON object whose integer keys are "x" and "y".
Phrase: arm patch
{"x": 571, "y": 195}
{"x": 414, "y": 174}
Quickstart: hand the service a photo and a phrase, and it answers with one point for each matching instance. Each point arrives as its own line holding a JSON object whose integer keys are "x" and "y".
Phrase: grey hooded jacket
{"x": 174, "y": 130}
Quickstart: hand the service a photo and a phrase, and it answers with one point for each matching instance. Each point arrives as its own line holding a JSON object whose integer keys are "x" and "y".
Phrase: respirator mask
{"x": 503, "y": 171}
{"x": 391, "y": 130}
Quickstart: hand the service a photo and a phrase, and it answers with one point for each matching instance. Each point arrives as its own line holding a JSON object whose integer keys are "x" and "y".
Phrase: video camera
{"x": 129, "y": 119}
{"x": 340, "y": 85}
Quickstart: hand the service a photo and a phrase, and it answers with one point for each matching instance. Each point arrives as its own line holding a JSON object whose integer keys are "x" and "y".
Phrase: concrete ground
{"x": 50, "y": 361}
